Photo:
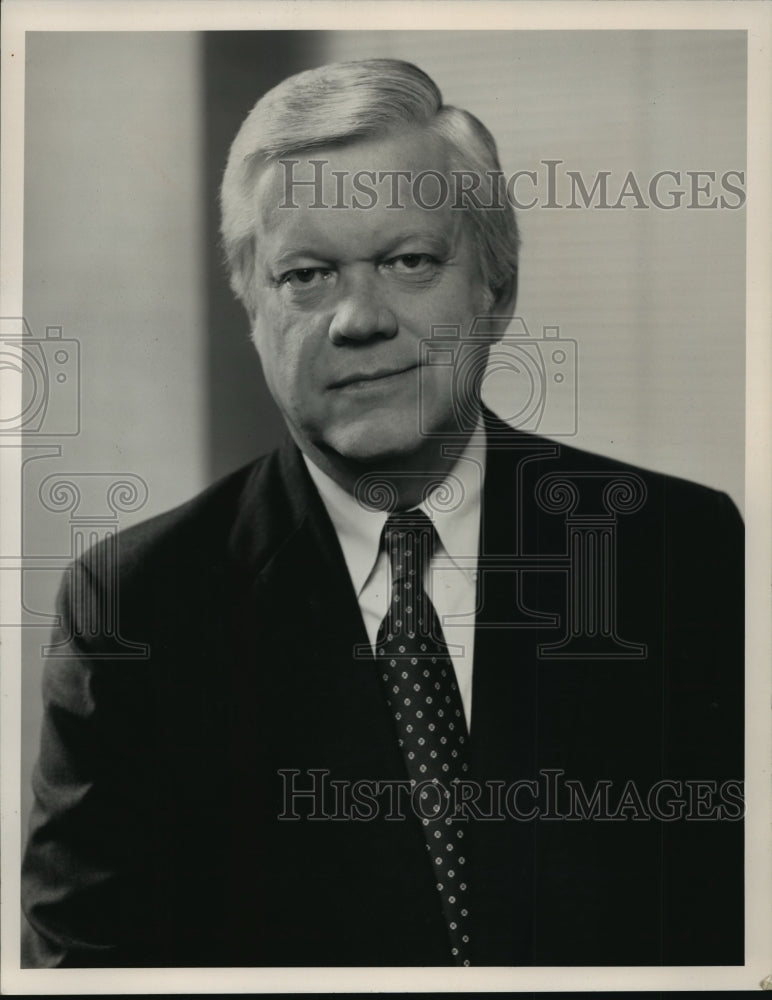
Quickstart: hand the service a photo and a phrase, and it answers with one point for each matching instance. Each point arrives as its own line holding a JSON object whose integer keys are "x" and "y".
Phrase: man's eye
{"x": 304, "y": 276}
{"x": 411, "y": 261}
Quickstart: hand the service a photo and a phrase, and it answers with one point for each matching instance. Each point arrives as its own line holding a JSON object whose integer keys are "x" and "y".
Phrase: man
{"x": 421, "y": 689}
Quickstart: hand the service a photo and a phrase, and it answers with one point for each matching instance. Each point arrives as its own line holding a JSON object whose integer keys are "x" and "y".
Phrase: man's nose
{"x": 361, "y": 312}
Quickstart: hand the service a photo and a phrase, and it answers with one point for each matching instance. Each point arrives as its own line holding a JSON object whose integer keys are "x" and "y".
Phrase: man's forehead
{"x": 368, "y": 173}
{"x": 366, "y": 195}
{"x": 410, "y": 148}
{"x": 333, "y": 232}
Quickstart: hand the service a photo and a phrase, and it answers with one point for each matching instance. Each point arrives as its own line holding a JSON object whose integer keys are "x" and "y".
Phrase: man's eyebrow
{"x": 440, "y": 241}
{"x": 290, "y": 255}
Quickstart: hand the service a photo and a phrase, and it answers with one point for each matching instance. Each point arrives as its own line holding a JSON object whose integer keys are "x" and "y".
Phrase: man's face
{"x": 346, "y": 295}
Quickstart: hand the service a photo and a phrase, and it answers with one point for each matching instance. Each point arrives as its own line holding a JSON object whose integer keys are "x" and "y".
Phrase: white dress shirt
{"x": 451, "y": 579}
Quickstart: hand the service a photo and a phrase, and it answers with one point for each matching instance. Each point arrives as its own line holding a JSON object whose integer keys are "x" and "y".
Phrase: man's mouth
{"x": 376, "y": 377}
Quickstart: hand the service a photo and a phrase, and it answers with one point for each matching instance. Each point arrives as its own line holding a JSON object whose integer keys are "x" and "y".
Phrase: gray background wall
{"x": 125, "y": 139}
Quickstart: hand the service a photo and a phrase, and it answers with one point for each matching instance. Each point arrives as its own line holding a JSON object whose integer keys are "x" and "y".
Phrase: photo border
{"x": 174, "y": 15}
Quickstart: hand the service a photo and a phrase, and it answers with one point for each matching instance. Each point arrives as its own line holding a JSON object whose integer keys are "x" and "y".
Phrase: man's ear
{"x": 506, "y": 298}
{"x": 500, "y": 308}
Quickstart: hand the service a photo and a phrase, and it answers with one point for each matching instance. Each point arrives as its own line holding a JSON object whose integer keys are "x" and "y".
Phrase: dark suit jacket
{"x": 155, "y": 838}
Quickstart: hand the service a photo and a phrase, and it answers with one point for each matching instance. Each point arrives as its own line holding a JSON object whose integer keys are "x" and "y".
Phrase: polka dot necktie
{"x": 420, "y": 687}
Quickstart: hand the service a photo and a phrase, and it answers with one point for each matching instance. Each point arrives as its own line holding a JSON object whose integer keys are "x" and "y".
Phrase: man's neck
{"x": 392, "y": 482}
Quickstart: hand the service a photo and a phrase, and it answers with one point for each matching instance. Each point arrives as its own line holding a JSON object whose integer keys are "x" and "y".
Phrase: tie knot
{"x": 409, "y": 540}
{"x": 406, "y": 520}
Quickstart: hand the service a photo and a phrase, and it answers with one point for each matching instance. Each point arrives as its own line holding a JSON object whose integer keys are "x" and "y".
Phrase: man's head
{"x": 344, "y": 277}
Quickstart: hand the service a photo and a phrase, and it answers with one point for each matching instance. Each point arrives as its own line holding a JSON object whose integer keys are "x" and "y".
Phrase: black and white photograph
{"x": 385, "y": 443}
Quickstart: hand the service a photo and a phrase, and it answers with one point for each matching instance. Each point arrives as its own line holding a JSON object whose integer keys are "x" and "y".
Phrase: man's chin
{"x": 387, "y": 440}
{"x": 378, "y": 451}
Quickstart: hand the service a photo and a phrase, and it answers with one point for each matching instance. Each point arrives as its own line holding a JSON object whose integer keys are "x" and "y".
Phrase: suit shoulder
{"x": 672, "y": 503}
{"x": 666, "y": 488}
{"x": 197, "y": 528}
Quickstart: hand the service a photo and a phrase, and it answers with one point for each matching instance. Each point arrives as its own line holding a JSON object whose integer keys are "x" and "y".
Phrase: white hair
{"x": 348, "y": 101}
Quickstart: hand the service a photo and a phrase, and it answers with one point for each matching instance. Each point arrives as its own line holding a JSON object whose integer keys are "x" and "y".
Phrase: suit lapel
{"x": 305, "y": 703}
{"x": 301, "y": 619}
{"x": 503, "y": 722}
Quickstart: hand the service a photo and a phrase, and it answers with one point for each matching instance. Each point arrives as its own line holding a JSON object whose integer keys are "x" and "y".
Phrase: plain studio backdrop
{"x": 126, "y": 138}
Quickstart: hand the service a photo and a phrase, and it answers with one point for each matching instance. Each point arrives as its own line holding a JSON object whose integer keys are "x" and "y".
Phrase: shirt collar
{"x": 454, "y": 507}
{"x": 358, "y": 529}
